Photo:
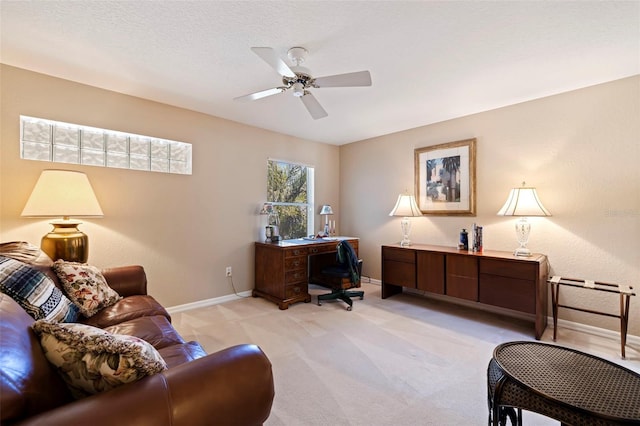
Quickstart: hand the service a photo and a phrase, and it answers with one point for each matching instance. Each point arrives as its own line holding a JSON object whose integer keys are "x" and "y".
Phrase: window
{"x": 290, "y": 190}
{"x": 47, "y": 140}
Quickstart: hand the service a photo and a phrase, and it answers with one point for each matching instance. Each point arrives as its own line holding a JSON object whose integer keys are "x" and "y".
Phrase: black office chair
{"x": 347, "y": 266}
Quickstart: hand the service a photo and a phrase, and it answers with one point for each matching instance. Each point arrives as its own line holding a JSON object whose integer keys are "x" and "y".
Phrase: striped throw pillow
{"x": 35, "y": 292}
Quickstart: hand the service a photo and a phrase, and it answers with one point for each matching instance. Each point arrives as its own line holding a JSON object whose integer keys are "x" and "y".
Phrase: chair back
{"x": 347, "y": 257}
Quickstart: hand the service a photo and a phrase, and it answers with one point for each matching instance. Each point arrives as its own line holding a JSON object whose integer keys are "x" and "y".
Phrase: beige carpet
{"x": 406, "y": 360}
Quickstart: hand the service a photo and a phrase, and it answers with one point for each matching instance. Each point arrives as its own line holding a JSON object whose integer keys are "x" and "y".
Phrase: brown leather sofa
{"x": 230, "y": 387}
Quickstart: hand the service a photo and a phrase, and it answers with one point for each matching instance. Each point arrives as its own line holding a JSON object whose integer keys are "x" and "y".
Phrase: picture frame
{"x": 445, "y": 178}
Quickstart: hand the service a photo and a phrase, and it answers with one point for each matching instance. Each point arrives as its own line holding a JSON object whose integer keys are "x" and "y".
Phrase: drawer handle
{"x": 296, "y": 263}
{"x": 296, "y": 252}
{"x": 314, "y": 250}
{"x": 296, "y": 289}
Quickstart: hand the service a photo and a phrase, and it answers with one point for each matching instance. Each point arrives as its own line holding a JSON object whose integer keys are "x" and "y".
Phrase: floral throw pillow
{"x": 92, "y": 360}
{"x": 86, "y": 286}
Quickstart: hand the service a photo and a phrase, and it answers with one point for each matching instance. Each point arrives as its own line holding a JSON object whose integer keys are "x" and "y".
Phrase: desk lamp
{"x": 326, "y": 211}
{"x": 406, "y": 207}
{"x": 523, "y": 202}
{"x": 66, "y": 194}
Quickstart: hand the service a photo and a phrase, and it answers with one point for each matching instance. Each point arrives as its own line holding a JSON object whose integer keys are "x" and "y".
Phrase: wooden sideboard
{"x": 284, "y": 269}
{"x": 494, "y": 278}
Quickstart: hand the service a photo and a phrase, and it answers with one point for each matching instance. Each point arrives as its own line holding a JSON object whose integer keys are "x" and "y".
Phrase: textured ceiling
{"x": 429, "y": 61}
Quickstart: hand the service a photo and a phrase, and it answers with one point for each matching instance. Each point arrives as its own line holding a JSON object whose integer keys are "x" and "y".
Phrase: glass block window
{"x": 58, "y": 142}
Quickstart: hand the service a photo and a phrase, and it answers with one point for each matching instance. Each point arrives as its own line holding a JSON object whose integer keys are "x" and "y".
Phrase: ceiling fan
{"x": 299, "y": 79}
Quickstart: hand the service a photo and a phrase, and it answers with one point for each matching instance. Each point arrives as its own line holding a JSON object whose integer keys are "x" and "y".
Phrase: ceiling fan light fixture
{"x": 298, "y": 90}
{"x": 300, "y": 79}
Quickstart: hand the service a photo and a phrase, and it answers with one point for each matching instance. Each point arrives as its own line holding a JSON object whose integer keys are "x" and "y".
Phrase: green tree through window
{"x": 290, "y": 190}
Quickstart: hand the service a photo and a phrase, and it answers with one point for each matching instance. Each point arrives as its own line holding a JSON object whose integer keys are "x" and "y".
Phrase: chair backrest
{"x": 346, "y": 256}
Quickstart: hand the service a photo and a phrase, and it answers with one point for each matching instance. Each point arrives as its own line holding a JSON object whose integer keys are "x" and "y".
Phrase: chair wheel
{"x": 349, "y": 308}
{"x": 319, "y": 303}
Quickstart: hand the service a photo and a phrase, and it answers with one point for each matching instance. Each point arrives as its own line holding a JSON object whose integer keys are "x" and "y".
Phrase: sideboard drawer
{"x": 511, "y": 269}
{"x": 510, "y": 293}
{"x": 399, "y": 255}
{"x": 399, "y": 273}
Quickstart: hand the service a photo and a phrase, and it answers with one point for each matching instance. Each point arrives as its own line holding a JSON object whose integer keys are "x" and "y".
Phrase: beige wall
{"x": 581, "y": 150}
{"x": 184, "y": 229}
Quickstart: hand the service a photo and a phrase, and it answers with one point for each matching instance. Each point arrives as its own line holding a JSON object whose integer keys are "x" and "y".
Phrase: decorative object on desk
{"x": 405, "y": 207}
{"x": 66, "y": 194}
{"x": 445, "y": 178}
{"x": 325, "y": 211}
{"x": 272, "y": 230}
{"x": 523, "y": 202}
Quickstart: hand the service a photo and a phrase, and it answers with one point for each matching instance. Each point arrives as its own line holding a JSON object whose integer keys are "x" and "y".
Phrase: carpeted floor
{"x": 406, "y": 360}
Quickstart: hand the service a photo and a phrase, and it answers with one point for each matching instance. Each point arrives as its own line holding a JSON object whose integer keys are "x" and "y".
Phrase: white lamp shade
{"x": 267, "y": 208}
{"x": 62, "y": 193}
{"x": 406, "y": 206}
{"x": 523, "y": 202}
{"x": 326, "y": 209}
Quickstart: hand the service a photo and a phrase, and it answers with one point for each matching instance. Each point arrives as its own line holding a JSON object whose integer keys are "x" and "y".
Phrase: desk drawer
{"x": 295, "y": 263}
{"x": 294, "y": 277}
{"x": 322, "y": 248}
{"x": 295, "y": 290}
{"x": 301, "y": 251}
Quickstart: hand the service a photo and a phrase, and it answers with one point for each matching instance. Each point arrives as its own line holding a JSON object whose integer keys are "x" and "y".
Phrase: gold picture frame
{"x": 445, "y": 178}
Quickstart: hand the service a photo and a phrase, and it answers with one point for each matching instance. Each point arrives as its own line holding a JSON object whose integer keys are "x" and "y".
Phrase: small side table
{"x": 625, "y": 293}
{"x": 573, "y": 387}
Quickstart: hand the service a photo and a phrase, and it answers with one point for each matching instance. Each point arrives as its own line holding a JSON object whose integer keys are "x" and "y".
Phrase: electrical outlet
{"x": 228, "y": 271}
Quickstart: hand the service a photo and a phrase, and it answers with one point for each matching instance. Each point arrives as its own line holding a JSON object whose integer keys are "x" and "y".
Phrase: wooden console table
{"x": 495, "y": 278}
{"x": 283, "y": 269}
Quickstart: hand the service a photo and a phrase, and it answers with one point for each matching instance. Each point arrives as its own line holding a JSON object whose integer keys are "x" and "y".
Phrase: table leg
{"x": 555, "y": 296}
{"x": 624, "y": 321}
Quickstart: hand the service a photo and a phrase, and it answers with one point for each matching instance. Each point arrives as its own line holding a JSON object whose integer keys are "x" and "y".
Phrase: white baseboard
{"x": 570, "y": 325}
{"x": 207, "y": 302}
{"x": 596, "y": 331}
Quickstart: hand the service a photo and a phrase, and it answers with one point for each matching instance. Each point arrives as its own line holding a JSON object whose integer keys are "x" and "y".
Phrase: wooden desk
{"x": 283, "y": 269}
{"x": 495, "y": 278}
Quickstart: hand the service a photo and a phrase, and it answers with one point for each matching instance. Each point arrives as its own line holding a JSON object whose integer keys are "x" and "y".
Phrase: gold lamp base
{"x": 66, "y": 242}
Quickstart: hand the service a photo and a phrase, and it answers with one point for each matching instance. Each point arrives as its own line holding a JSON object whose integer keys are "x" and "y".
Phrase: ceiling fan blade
{"x": 261, "y": 94}
{"x": 352, "y": 79}
{"x": 271, "y": 57}
{"x": 313, "y": 106}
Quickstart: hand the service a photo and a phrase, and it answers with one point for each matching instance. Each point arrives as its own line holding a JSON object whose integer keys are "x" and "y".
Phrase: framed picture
{"x": 445, "y": 178}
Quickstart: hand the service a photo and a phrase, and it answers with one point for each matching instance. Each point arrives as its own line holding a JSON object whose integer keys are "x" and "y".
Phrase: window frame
{"x": 309, "y": 205}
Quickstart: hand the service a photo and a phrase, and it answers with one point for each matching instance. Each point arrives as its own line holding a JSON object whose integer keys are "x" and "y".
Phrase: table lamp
{"x": 272, "y": 230}
{"x": 325, "y": 211}
{"x": 66, "y": 194}
{"x": 523, "y": 202}
{"x": 406, "y": 207}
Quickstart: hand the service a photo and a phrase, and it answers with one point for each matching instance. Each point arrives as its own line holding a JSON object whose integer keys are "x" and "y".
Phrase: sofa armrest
{"x": 232, "y": 386}
{"x": 127, "y": 280}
